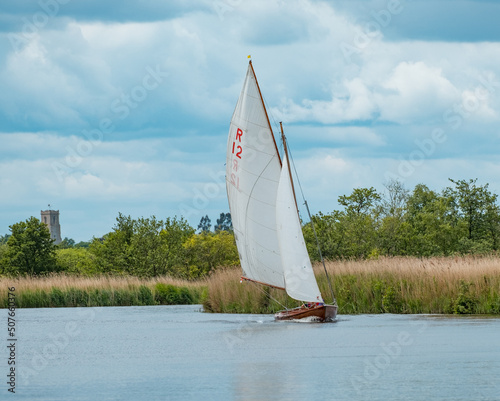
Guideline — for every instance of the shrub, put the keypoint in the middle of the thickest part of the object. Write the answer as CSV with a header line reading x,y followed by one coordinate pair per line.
x,y
166,294
57,297
145,296
464,303
185,297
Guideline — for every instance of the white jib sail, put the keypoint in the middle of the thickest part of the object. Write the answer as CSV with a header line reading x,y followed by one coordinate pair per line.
x,y
300,282
252,176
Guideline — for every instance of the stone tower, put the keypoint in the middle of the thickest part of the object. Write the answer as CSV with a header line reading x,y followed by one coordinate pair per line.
x,y
51,218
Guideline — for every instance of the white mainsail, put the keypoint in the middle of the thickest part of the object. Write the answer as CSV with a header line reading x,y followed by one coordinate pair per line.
x,y
300,282
253,170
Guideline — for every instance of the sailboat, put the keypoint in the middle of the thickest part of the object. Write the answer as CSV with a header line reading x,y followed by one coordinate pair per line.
x,y
264,211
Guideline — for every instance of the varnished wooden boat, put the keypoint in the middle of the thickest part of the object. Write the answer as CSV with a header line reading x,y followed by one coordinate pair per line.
x,y
320,313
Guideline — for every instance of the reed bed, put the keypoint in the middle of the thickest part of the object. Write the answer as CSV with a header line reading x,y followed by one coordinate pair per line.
x,y
60,290
461,285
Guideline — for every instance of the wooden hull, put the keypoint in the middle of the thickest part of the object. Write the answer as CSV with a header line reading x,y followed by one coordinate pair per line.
x,y
320,313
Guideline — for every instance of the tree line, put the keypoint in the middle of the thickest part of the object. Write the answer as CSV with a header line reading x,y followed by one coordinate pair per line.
x,y
144,247
463,218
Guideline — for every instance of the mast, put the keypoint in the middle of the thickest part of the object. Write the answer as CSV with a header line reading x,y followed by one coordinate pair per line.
x,y
265,111
285,149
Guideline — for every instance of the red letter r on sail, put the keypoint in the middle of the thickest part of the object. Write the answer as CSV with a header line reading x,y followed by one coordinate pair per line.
x,y
239,133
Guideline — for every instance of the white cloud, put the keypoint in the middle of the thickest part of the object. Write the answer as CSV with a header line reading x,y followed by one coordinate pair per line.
x,y
414,92
357,104
410,92
169,148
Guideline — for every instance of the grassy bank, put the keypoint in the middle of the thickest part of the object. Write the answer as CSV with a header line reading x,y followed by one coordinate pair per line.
x,y
69,291
459,285
469,285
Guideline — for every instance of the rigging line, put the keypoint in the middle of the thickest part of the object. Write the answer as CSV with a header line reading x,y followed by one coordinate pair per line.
x,y
270,114
295,170
259,286
334,301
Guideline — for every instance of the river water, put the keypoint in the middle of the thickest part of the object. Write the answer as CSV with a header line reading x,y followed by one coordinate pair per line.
x,y
181,353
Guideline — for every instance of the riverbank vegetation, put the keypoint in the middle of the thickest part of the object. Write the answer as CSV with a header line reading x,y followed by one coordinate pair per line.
x,y
458,285
390,241
62,290
451,285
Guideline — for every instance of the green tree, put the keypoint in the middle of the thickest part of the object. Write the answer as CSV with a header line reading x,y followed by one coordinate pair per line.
x,y
350,233
328,236
394,201
156,247
205,224
175,233
207,251
3,249
472,203
145,247
4,239
435,228
358,235
76,260
462,219
82,244
30,250
393,229
147,258
66,243
3,246
112,251
224,223
493,225
361,201
357,223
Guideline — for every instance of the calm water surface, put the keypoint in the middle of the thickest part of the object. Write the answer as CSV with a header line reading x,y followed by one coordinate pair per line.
x,y
180,353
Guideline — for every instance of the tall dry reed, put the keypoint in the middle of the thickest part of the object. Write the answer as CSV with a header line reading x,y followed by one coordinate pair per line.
x,y
70,290
395,285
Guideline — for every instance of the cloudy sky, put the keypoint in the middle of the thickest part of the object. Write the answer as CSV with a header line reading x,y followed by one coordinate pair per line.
x,y
124,106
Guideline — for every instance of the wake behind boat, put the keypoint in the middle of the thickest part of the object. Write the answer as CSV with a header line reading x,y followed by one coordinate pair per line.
x,y
263,208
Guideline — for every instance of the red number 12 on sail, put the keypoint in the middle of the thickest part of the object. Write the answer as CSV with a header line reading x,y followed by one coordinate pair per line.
x,y
239,150
239,134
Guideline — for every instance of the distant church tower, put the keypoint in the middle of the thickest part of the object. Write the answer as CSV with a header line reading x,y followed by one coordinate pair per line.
x,y
51,218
